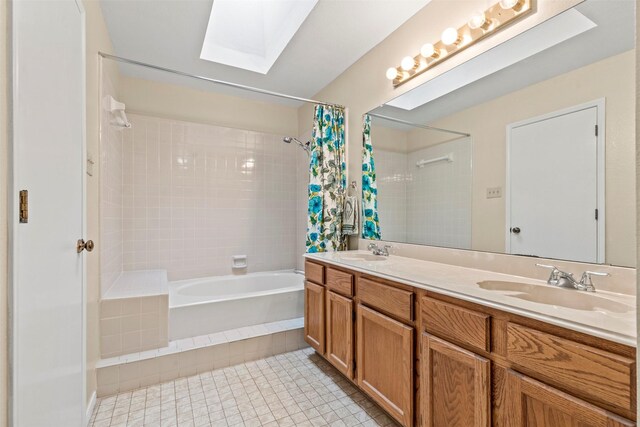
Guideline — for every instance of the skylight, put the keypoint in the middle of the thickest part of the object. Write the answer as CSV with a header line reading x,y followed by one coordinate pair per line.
x,y
251,34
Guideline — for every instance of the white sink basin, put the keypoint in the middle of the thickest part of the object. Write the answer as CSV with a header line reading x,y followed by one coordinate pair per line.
x,y
558,297
363,257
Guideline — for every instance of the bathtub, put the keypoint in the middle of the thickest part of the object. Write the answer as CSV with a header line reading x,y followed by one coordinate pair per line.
x,y
214,304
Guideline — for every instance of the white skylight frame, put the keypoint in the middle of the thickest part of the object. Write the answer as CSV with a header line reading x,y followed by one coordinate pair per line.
x,y
252,34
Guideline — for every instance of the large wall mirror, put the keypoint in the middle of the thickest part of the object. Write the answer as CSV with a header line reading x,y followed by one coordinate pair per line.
x,y
527,149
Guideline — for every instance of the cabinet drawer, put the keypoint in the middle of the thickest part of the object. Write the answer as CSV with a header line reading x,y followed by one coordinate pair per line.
x,y
340,282
314,272
580,369
394,301
456,323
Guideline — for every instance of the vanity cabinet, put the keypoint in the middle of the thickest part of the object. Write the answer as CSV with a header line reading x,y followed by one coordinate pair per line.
x,y
455,385
328,321
534,404
432,360
339,340
314,312
385,362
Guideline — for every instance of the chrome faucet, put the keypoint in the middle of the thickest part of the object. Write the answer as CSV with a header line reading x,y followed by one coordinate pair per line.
x,y
373,247
563,279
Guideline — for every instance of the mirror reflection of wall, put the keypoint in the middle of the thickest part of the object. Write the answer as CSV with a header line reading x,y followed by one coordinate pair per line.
x,y
569,73
424,190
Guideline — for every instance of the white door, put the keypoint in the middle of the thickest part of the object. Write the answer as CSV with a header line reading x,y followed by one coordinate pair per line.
x,y
47,272
553,187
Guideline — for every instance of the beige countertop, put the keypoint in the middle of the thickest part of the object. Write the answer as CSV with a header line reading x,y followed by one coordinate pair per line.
x,y
612,315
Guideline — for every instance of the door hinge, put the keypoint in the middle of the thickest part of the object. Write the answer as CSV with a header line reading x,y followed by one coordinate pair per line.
x,y
596,214
596,130
24,206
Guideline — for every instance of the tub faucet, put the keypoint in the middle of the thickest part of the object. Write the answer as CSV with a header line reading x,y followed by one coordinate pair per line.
x,y
379,251
563,279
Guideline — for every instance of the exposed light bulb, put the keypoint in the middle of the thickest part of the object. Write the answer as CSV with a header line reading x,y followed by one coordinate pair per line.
x,y
511,4
428,51
392,73
408,63
478,20
450,36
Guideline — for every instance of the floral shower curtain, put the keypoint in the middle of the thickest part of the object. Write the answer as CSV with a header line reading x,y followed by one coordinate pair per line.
x,y
327,175
370,222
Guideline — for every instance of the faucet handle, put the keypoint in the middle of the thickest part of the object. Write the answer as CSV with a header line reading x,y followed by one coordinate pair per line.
x,y
595,273
586,283
372,246
551,267
554,277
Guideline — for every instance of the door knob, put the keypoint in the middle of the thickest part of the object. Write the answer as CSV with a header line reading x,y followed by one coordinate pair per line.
x,y
515,230
82,245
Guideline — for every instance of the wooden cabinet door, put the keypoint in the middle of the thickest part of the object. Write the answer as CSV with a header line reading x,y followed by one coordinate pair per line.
x,y
314,316
455,385
340,333
385,362
534,404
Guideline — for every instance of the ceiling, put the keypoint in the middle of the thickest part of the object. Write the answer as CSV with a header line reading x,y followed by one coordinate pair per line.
x,y
614,33
170,34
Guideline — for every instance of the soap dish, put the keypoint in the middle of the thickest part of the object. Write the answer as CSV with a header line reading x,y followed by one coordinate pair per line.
x,y
239,261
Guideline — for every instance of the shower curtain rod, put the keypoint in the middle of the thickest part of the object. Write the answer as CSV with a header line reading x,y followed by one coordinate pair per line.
x,y
220,82
391,119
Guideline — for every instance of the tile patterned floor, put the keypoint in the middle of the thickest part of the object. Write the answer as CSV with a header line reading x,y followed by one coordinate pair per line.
x,y
292,389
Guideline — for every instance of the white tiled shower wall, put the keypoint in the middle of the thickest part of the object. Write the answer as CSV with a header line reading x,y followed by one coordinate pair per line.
x,y
437,207
110,192
194,195
186,197
392,177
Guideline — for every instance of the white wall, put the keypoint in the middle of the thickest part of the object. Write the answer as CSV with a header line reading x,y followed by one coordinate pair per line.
x,y
183,103
4,106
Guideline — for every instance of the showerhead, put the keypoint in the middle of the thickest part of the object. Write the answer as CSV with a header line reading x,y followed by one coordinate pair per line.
x,y
304,145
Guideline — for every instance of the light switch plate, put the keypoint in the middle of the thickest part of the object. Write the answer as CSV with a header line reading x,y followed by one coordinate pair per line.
x,y
494,192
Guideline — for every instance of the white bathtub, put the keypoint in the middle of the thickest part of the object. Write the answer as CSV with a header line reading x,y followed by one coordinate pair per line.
x,y
214,304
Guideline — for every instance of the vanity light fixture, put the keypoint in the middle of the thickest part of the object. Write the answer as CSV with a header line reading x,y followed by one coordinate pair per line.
x,y
408,63
450,36
479,20
428,51
452,40
512,4
393,73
